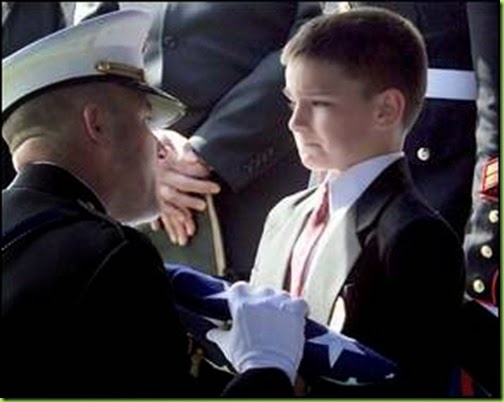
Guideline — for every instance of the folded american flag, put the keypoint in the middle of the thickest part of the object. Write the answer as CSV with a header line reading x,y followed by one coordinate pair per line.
x,y
202,302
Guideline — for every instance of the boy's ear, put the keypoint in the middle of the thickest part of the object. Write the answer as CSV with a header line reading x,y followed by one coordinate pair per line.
x,y
390,108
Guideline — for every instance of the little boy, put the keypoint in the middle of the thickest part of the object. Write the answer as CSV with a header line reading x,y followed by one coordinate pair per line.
x,y
385,268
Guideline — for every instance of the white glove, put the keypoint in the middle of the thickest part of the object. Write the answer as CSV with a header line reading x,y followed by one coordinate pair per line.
x,y
267,329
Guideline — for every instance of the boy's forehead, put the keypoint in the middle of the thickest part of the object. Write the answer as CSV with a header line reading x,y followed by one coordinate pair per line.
x,y
313,66
315,75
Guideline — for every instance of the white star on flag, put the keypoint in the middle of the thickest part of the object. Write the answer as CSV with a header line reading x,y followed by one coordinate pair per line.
x,y
335,345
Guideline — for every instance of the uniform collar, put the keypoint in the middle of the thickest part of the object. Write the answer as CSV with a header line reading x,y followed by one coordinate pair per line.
x,y
52,179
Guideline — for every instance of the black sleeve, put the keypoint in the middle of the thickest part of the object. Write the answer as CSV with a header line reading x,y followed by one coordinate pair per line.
x,y
133,327
260,383
237,138
425,274
143,348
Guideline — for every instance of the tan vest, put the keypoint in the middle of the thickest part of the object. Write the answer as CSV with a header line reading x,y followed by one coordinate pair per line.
x,y
338,253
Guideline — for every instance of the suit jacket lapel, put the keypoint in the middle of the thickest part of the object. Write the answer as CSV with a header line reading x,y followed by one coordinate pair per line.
x,y
369,205
274,253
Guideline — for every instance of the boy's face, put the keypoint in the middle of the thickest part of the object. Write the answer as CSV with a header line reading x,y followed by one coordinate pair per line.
x,y
332,122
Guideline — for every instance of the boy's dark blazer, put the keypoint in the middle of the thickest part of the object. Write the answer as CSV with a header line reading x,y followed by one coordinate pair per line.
x,y
402,281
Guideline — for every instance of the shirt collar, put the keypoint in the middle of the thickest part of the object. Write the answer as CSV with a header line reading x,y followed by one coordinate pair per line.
x,y
347,186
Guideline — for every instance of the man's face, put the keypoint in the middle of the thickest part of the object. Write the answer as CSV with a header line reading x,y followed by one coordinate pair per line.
x,y
134,156
331,118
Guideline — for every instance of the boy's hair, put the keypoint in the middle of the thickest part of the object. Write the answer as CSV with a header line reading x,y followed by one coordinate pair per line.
x,y
373,45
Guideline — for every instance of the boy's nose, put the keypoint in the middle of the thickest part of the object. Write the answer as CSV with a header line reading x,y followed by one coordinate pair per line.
x,y
298,119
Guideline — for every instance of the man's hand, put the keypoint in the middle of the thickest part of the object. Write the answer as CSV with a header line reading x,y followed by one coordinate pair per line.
x,y
267,329
181,180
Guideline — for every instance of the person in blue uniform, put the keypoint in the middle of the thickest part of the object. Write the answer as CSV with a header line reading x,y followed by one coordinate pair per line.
x,y
481,332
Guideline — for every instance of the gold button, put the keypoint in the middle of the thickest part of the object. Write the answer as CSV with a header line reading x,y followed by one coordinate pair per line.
x,y
486,251
493,216
478,286
423,154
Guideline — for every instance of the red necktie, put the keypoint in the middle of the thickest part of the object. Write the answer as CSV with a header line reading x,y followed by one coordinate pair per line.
x,y
305,244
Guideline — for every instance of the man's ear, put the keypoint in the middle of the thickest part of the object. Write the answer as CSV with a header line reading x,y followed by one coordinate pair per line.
x,y
390,108
93,122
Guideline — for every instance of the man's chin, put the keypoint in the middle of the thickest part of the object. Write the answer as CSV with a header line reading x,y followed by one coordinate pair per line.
x,y
141,219
135,218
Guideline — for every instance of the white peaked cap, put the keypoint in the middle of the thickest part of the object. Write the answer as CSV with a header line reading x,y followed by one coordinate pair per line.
x,y
101,48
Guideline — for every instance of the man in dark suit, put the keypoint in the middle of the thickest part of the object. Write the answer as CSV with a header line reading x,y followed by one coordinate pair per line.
x,y
387,269
86,307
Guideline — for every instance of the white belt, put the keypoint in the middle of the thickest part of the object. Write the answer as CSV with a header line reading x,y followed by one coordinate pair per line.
x,y
451,84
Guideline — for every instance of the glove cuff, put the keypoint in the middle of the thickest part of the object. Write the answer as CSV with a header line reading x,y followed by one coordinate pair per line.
x,y
270,360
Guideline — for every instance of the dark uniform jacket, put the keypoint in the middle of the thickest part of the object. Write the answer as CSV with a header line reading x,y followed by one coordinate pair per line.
x,y
481,344
404,285
86,308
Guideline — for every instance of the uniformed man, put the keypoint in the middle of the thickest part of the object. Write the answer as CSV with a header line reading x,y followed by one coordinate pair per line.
x,y
481,335
86,307
482,238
